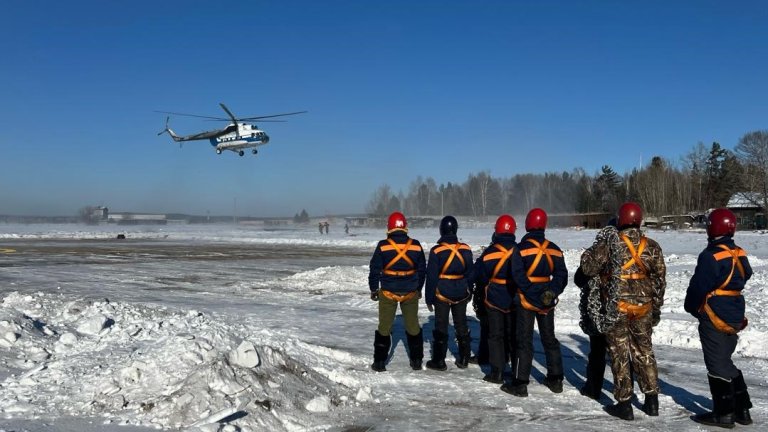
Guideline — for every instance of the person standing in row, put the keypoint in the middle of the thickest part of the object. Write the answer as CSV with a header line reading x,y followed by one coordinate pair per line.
x,y
590,304
634,308
481,312
499,264
535,300
714,298
449,271
397,273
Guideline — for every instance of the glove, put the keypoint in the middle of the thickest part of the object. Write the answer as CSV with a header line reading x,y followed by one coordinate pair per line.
x,y
375,295
656,317
547,297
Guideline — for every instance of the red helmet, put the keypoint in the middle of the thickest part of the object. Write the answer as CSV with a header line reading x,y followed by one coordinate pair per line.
x,y
505,224
397,221
536,220
721,222
630,214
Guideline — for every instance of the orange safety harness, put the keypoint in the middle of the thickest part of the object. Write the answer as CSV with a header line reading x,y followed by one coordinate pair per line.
x,y
541,251
454,248
635,260
402,250
502,255
734,254
631,310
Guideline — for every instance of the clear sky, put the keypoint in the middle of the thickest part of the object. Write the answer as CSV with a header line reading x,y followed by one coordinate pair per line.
x,y
394,89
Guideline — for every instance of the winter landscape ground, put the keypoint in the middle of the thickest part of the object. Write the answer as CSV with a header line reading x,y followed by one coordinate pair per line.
x,y
238,328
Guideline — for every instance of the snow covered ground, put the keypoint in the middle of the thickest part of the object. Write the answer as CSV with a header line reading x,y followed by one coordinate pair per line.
x,y
227,328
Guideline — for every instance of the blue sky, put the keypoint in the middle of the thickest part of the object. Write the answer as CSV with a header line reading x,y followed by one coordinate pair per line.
x,y
394,89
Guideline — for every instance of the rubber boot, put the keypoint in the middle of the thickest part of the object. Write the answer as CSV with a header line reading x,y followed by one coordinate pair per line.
x,y
622,410
464,351
651,405
554,383
439,349
415,350
741,401
495,377
516,388
722,404
381,345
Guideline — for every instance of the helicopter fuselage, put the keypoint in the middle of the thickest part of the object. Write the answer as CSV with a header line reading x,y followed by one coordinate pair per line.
x,y
246,136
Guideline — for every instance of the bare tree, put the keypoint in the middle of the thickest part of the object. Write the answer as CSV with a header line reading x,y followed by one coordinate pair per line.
x,y
752,150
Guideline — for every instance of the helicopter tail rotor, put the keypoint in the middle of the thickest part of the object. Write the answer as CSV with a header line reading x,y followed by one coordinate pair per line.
x,y
169,131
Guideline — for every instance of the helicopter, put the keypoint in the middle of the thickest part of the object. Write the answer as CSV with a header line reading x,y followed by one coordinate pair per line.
x,y
237,136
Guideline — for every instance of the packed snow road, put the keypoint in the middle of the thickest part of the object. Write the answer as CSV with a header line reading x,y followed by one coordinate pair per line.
x,y
241,328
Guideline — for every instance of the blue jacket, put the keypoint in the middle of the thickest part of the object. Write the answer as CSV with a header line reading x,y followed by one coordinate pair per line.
x,y
402,277
456,286
710,273
559,274
512,273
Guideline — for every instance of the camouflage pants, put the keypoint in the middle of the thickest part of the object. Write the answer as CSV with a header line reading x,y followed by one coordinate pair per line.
x,y
629,343
388,310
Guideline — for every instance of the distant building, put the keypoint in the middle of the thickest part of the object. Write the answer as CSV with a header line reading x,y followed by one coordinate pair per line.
x,y
137,219
748,209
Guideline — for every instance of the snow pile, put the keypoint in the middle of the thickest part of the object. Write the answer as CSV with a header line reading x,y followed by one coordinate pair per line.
x,y
151,366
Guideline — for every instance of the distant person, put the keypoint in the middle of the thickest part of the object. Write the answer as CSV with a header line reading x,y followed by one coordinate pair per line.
x,y
633,307
320,227
327,225
547,277
397,274
449,271
346,228
500,264
714,297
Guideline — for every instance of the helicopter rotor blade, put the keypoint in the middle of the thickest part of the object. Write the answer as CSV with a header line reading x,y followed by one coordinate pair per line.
x,y
231,116
260,121
193,115
273,115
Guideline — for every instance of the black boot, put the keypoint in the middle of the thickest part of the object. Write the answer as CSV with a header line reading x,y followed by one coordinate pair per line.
x,y
722,404
415,350
464,351
494,377
439,348
516,388
554,383
589,391
622,410
651,405
741,401
381,346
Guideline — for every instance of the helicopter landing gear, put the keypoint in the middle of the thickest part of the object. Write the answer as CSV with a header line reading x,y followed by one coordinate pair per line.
x,y
241,153
254,151
218,151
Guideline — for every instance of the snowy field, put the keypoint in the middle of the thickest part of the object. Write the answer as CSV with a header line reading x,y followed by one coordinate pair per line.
x,y
240,328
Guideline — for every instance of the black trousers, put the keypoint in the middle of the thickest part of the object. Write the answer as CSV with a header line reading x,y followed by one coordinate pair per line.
x,y
501,338
459,313
524,344
718,348
596,364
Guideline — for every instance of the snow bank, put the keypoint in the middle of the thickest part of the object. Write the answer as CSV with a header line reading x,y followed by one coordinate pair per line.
x,y
152,366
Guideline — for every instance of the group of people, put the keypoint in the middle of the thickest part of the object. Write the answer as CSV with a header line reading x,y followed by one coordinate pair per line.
x,y
323,226
514,284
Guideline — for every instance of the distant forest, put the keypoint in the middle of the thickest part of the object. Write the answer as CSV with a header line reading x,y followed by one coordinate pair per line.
x,y
704,178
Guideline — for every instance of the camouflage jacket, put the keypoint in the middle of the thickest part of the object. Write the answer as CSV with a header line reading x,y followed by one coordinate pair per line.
x,y
651,282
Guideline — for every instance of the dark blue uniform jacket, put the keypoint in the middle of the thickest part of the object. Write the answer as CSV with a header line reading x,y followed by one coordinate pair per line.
x,y
497,295
393,283
453,289
534,290
709,275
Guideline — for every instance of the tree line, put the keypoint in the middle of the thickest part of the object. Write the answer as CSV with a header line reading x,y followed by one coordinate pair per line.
x,y
706,177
